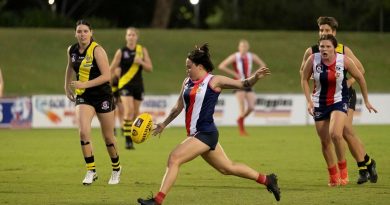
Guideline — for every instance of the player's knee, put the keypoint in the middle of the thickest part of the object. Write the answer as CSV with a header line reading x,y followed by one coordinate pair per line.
x,y
336,136
84,135
325,144
174,160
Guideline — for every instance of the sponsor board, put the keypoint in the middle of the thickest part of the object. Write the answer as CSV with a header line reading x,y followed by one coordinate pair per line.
x,y
15,112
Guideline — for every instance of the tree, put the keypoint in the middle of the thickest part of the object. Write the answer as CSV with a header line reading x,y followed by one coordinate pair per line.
x,y
162,13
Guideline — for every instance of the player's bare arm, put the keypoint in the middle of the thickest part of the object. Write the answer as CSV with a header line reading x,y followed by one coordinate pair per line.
x,y
115,63
224,65
359,65
306,73
69,73
306,55
222,82
175,111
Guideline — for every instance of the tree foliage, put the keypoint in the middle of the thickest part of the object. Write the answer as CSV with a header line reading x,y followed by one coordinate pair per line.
x,y
355,15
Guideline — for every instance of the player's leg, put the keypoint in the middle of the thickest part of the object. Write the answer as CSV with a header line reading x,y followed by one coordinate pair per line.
x,y
84,115
106,124
240,95
137,105
219,160
356,148
327,148
336,126
366,165
250,98
128,115
189,149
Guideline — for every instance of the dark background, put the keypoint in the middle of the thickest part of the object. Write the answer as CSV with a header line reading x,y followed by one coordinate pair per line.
x,y
354,15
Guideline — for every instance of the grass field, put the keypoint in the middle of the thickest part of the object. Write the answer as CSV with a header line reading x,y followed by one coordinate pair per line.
x,y
45,166
33,60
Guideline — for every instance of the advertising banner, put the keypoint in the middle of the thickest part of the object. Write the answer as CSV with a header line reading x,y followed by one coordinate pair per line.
x,y
15,112
54,111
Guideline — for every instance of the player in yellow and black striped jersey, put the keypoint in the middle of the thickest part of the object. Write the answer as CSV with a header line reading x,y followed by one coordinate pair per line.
x,y
88,61
131,60
366,165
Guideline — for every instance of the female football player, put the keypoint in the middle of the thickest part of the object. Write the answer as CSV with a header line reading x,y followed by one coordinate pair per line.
x,y
93,95
329,102
198,97
131,60
242,62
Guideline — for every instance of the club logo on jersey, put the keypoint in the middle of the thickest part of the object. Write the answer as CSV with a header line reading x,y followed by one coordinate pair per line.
x,y
73,58
345,107
126,54
105,105
319,68
88,59
80,100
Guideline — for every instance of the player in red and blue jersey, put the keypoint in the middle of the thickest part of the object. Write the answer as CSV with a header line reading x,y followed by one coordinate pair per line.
x,y
242,63
366,165
329,101
198,97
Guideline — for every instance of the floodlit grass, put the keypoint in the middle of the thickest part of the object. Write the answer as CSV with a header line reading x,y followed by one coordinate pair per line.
x,y
33,60
45,166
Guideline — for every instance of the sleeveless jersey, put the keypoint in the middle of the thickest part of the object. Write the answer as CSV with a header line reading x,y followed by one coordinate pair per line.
x,y
85,66
243,65
131,73
330,85
199,103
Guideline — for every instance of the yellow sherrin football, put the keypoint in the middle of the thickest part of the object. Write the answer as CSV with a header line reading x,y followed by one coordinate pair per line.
x,y
141,128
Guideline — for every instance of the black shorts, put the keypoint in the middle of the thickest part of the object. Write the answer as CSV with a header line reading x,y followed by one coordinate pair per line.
x,y
136,91
209,138
117,97
351,98
101,104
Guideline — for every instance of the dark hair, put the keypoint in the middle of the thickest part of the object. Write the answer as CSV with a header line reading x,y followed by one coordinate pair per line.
x,y
201,56
83,22
331,21
329,37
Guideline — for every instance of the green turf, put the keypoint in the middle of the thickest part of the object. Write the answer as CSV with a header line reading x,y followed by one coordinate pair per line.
x,y
33,60
45,166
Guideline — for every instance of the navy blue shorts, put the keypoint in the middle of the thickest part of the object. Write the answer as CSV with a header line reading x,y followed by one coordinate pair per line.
x,y
323,113
209,138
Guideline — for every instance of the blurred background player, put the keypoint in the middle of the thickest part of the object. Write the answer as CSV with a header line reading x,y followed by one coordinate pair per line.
x,y
88,60
242,63
118,112
328,103
131,60
366,165
198,97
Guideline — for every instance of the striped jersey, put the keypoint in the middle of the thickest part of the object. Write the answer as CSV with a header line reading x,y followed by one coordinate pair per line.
x,y
199,104
330,83
86,68
131,73
243,65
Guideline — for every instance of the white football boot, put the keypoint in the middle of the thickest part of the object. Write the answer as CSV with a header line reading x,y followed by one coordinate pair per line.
x,y
115,176
90,177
